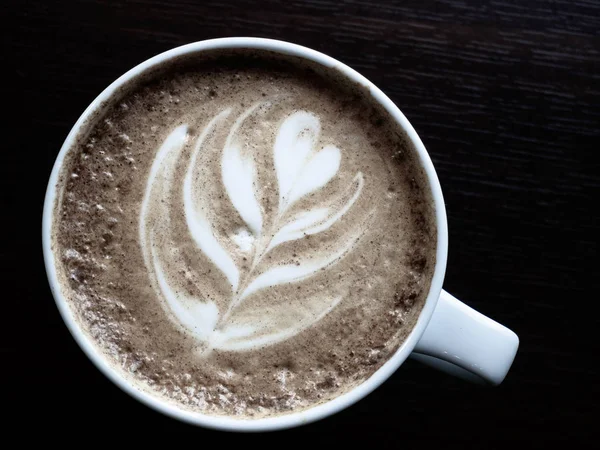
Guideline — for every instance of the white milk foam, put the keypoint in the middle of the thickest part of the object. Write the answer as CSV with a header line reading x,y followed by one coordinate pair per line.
x,y
301,169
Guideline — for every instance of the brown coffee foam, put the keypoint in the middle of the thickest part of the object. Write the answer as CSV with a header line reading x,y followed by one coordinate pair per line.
x,y
103,275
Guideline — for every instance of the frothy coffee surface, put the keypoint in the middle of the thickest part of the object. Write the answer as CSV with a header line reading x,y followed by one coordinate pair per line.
x,y
244,234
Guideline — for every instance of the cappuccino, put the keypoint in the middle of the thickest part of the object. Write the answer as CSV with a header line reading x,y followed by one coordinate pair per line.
x,y
244,233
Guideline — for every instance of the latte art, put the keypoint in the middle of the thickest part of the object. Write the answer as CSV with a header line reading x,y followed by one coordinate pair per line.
x,y
301,169
243,234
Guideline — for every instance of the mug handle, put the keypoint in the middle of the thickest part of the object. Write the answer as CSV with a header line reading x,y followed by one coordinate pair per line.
x,y
462,342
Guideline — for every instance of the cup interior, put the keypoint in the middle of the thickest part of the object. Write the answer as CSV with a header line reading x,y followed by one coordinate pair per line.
x,y
295,418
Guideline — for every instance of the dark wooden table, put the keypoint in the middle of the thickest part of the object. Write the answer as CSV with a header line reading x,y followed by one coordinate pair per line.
x,y
506,97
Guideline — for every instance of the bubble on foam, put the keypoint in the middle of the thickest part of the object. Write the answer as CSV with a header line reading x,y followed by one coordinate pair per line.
x,y
243,239
125,138
71,253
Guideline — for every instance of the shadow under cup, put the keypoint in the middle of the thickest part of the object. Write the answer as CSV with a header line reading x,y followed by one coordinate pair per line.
x,y
276,422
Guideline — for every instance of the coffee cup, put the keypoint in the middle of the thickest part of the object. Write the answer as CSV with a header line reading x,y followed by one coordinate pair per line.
x,y
447,335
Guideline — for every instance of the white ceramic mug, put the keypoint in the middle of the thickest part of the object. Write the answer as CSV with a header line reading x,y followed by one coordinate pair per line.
x,y
448,334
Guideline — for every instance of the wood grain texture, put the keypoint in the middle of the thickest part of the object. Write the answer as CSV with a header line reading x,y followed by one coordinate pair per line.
x,y
505,96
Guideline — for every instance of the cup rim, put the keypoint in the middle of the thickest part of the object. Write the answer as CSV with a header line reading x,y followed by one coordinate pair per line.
x,y
286,420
